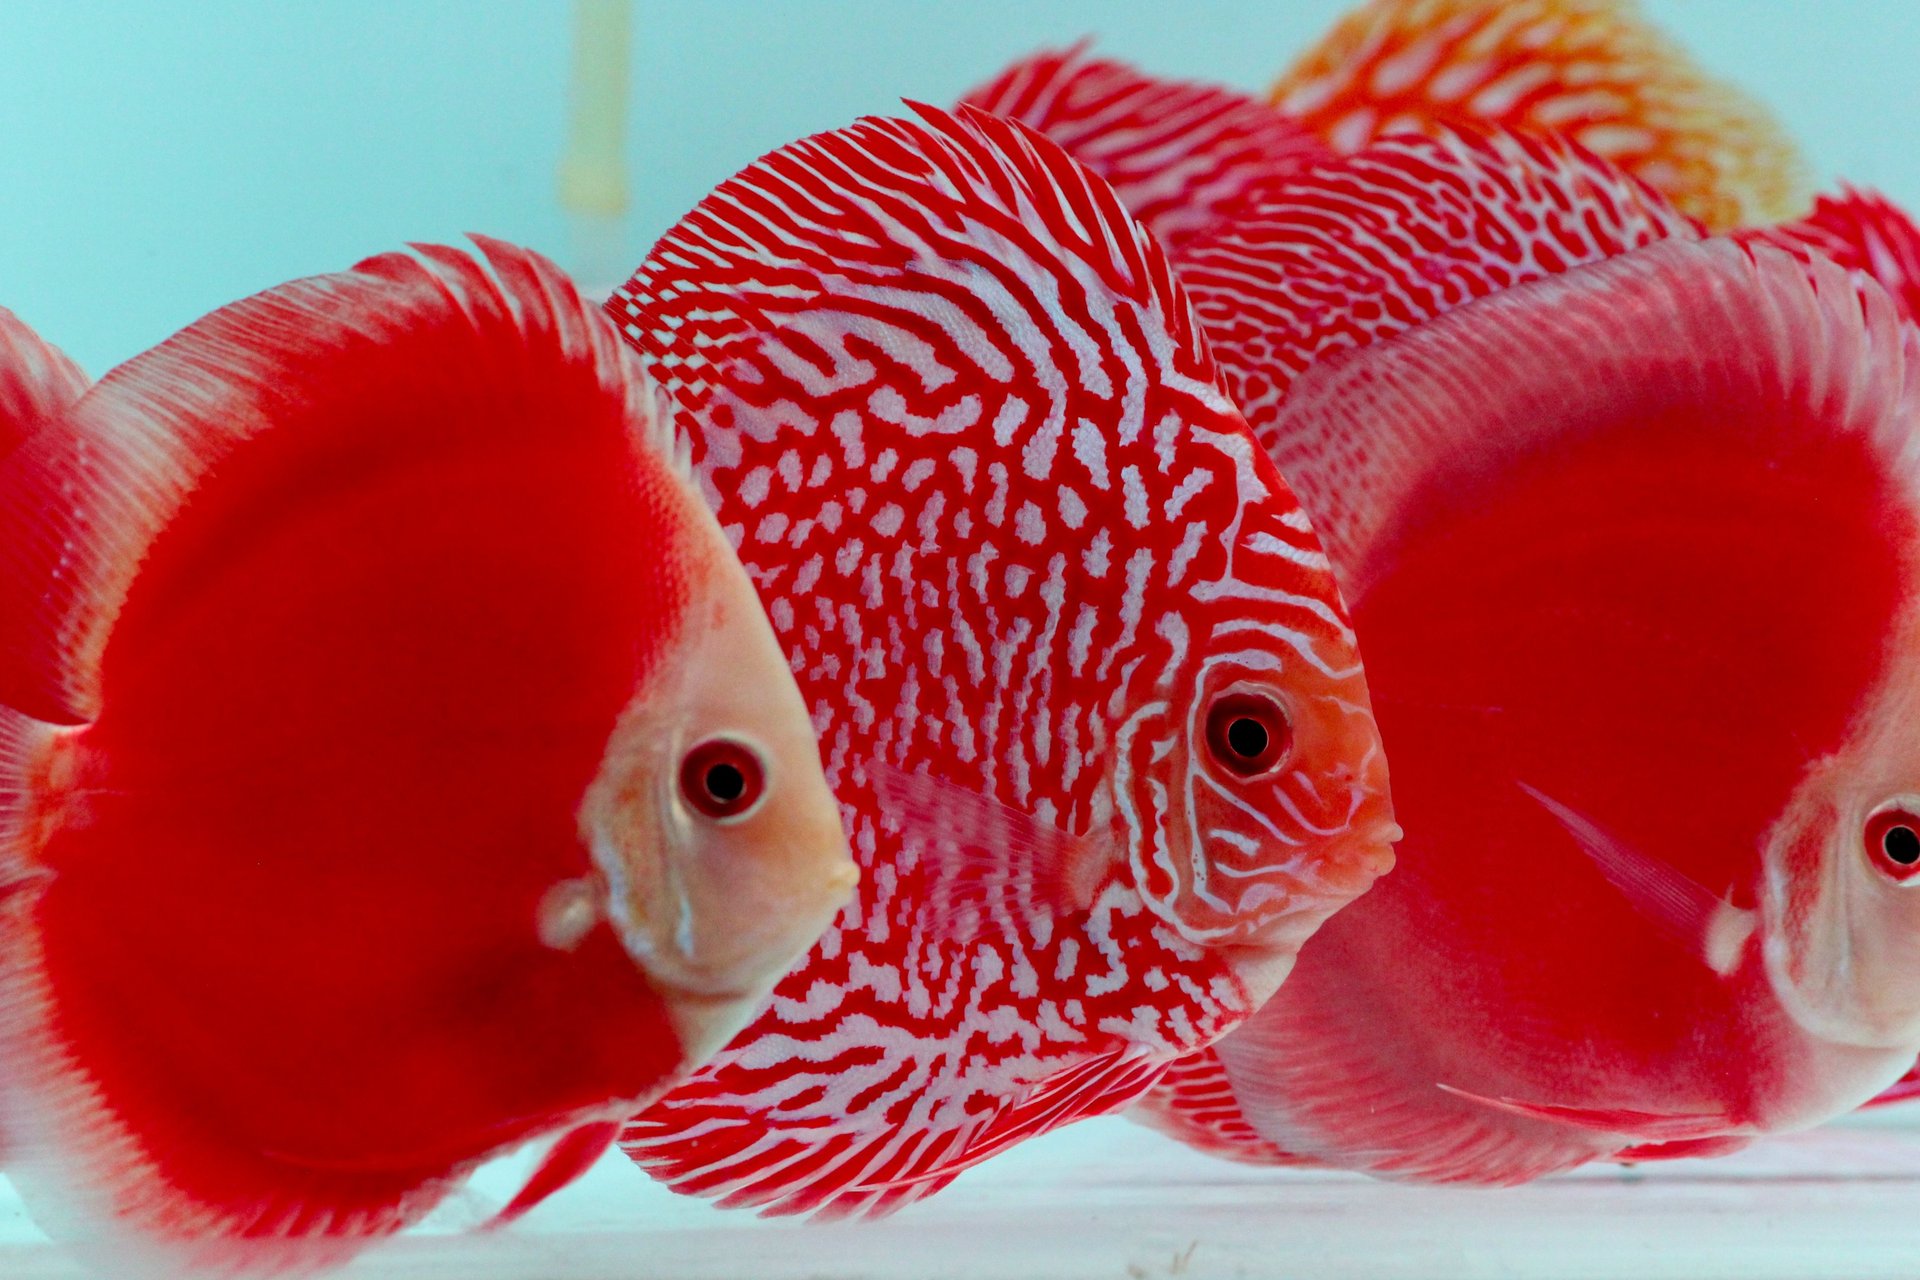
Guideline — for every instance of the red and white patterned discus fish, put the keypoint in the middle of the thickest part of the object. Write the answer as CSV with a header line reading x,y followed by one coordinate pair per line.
x,y
1082,677
1630,521
1179,154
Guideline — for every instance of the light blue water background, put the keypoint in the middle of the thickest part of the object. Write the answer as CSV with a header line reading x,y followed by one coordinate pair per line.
x,y
161,157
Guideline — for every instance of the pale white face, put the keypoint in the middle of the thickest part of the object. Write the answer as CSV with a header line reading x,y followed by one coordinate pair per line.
x,y
1841,898
720,846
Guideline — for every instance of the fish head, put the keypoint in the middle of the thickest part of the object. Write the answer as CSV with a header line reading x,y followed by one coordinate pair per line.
x,y
1840,893
1252,781
719,847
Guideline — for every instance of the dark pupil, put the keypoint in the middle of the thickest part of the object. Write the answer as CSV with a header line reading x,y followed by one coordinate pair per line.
x,y
1902,845
1247,737
726,783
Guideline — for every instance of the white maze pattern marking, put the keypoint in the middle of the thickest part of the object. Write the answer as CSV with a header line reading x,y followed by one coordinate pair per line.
x,y
947,392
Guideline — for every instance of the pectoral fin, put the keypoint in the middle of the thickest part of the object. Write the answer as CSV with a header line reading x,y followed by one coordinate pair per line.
x,y
1708,925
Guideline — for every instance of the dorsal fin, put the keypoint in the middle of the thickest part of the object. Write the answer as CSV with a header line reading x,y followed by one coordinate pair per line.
x,y
1179,153
1719,319
1593,70
841,214
1358,249
37,381
79,503
1863,231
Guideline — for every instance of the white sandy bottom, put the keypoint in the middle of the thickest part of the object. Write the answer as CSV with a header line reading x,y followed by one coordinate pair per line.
x,y
1107,1199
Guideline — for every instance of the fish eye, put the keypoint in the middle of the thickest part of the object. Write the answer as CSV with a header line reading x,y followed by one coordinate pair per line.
x,y
1892,841
1247,733
722,779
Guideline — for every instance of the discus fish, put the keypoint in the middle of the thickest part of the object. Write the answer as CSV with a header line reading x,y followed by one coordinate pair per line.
x,y
1594,71
1182,154
1630,521
399,767
1084,683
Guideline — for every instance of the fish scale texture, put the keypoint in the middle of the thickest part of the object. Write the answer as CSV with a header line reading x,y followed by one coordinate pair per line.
x,y
959,421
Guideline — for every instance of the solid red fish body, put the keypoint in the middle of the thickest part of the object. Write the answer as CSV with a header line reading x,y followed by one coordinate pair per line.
x,y
373,664
1628,520
1082,678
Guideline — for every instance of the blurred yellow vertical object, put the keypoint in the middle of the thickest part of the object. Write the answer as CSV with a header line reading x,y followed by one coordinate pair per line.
x,y
593,172
1594,70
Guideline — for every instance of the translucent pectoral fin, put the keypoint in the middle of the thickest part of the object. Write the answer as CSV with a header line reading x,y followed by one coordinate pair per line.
x,y
978,854
1708,925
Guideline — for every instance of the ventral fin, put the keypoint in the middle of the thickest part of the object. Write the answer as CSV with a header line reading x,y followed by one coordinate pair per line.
x,y
567,1162
1099,1086
698,1142
979,854
1181,154
1709,926
1593,70
1641,1126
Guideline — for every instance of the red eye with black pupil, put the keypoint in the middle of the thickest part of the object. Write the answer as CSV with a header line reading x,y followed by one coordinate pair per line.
x,y
721,779
1893,842
1247,733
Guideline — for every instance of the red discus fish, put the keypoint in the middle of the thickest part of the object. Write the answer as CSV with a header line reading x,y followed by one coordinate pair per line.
x,y
399,765
1592,70
1179,154
1183,154
1868,233
1631,525
1084,684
